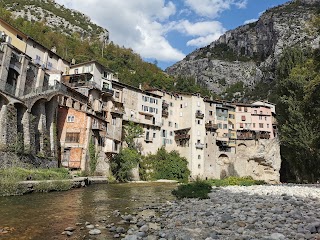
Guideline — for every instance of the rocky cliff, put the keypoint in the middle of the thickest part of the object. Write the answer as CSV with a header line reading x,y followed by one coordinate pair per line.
x,y
56,16
249,53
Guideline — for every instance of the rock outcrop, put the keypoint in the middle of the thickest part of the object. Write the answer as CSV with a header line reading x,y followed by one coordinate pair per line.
x,y
249,53
58,17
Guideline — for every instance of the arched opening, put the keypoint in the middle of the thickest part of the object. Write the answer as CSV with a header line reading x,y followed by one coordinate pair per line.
x,y
22,126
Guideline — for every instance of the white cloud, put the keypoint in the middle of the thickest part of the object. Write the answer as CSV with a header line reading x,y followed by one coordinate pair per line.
x,y
203,41
212,8
204,32
135,24
250,21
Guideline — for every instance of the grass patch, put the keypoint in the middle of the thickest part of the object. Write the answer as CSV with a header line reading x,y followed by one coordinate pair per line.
x,y
10,178
52,186
198,189
232,181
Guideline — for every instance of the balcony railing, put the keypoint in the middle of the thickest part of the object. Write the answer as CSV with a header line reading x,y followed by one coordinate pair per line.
x,y
118,110
165,105
199,145
108,91
199,115
211,126
148,139
97,126
182,137
165,113
57,87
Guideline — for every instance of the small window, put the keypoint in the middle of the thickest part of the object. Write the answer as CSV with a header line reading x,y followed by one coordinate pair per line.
x,y
199,156
241,125
239,109
19,37
254,125
255,111
245,109
72,137
260,125
243,118
268,126
76,71
210,113
154,135
70,119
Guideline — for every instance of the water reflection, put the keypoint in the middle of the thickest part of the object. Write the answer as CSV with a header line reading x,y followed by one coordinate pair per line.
x,y
44,216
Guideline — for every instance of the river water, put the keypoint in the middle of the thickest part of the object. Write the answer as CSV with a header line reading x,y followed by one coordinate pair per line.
x,y
45,216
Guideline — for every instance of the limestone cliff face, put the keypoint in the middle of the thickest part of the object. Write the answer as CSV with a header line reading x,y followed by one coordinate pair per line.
x,y
259,159
250,53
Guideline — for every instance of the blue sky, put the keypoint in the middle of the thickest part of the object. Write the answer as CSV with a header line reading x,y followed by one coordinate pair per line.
x,y
166,31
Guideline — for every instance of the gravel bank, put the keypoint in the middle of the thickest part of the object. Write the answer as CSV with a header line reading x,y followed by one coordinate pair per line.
x,y
255,212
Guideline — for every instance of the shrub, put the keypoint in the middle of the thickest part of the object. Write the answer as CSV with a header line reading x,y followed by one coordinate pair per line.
x,y
232,181
198,189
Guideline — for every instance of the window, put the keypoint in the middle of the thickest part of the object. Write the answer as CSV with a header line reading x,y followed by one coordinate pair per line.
x,y
254,125
76,71
210,113
199,156
268,126
245,109
243,118
260,112
154,135
72,137
176,125
38,59
171,104
199,166
170,124
260,125
171,133
181,105
225,126
241,125
219,125
260,117
255,111
117,94
114,121
49,66
240,109
70,119
265,118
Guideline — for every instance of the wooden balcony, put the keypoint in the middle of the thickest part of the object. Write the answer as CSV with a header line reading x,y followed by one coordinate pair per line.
x,y
117,110
211,126
165,105
179,137
199,115
108,92
165,113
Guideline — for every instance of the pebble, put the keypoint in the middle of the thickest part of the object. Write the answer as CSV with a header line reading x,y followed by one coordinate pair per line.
x,y
273,212
94,232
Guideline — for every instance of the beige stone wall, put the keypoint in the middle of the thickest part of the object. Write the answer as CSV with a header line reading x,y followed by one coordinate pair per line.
x,y
260,159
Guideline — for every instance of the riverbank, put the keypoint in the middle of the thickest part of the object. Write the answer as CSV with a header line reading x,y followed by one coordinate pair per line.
x,y
234,212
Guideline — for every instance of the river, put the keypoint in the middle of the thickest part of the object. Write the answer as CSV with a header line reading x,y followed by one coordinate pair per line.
x,y
45,216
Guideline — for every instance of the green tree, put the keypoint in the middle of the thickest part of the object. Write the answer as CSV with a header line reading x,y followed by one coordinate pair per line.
x,y
298,117
165,165
123,163
131,132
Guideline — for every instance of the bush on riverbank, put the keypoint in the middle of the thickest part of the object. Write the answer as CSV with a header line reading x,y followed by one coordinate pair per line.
x,y
10,178
231,181
198,189
164,165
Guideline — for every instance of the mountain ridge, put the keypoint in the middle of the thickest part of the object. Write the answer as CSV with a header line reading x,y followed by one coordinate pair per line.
x,y
249,54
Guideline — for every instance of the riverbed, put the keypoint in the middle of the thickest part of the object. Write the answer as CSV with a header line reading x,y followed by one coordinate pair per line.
x,y
46,215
